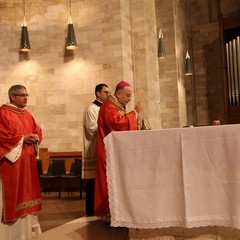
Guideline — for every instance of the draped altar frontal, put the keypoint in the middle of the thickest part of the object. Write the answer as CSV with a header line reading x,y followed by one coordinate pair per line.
x,y
181,182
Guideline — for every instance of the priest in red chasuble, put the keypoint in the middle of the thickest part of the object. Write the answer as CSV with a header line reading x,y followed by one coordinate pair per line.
x,y
19,136
112,117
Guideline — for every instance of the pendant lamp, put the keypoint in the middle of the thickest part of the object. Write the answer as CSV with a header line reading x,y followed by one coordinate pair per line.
x,y
161,46
25,43
188,65
71,42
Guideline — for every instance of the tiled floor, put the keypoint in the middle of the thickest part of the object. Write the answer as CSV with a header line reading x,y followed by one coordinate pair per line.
x,y
85,228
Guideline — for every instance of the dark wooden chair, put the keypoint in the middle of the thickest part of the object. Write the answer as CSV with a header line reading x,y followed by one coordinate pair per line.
x,y
75,173
43,183
55,171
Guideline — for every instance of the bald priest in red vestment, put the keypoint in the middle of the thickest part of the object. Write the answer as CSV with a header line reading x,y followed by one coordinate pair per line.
x,y
112,117
19,179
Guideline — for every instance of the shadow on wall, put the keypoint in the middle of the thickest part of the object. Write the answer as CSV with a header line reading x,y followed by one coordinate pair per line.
x,y
23,56
68,55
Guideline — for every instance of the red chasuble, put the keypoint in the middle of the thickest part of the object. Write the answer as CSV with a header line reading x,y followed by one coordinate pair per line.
x,y
112,117
21,188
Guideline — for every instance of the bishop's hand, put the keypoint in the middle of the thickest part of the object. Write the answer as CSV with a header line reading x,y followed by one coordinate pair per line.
x,y
139,107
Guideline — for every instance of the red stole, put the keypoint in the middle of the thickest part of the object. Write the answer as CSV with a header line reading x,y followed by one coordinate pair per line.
x,y
109,119
21,188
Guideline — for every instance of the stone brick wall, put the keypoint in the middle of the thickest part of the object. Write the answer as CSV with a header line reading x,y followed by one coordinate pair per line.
x,y
144,47
206,53
193,25
167,67
60,83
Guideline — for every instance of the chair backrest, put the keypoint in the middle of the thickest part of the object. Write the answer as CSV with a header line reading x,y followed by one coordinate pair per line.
x,y
39,167
56,167
76,167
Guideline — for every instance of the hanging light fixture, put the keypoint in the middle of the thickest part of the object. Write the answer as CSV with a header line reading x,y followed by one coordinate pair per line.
x,y
71,42
25,43
188,65
161,46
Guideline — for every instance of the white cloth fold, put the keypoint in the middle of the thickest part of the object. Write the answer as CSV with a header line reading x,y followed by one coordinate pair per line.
x,y
15,153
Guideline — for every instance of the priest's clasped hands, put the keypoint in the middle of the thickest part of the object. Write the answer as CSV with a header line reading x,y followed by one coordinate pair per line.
x,y
31,138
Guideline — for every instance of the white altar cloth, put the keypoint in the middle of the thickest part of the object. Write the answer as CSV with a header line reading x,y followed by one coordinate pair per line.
x,y
183,178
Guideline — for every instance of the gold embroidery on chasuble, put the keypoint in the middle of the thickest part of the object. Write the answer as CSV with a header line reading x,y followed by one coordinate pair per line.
x,y
28,204
117,103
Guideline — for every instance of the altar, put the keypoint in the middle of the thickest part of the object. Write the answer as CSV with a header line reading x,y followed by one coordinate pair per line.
x,y
173,183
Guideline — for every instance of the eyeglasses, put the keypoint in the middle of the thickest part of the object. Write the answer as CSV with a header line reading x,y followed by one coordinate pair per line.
x,y
107,92
21,95
129,96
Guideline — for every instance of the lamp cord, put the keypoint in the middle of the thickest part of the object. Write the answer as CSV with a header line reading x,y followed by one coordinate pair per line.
x,y
24,9
70,7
